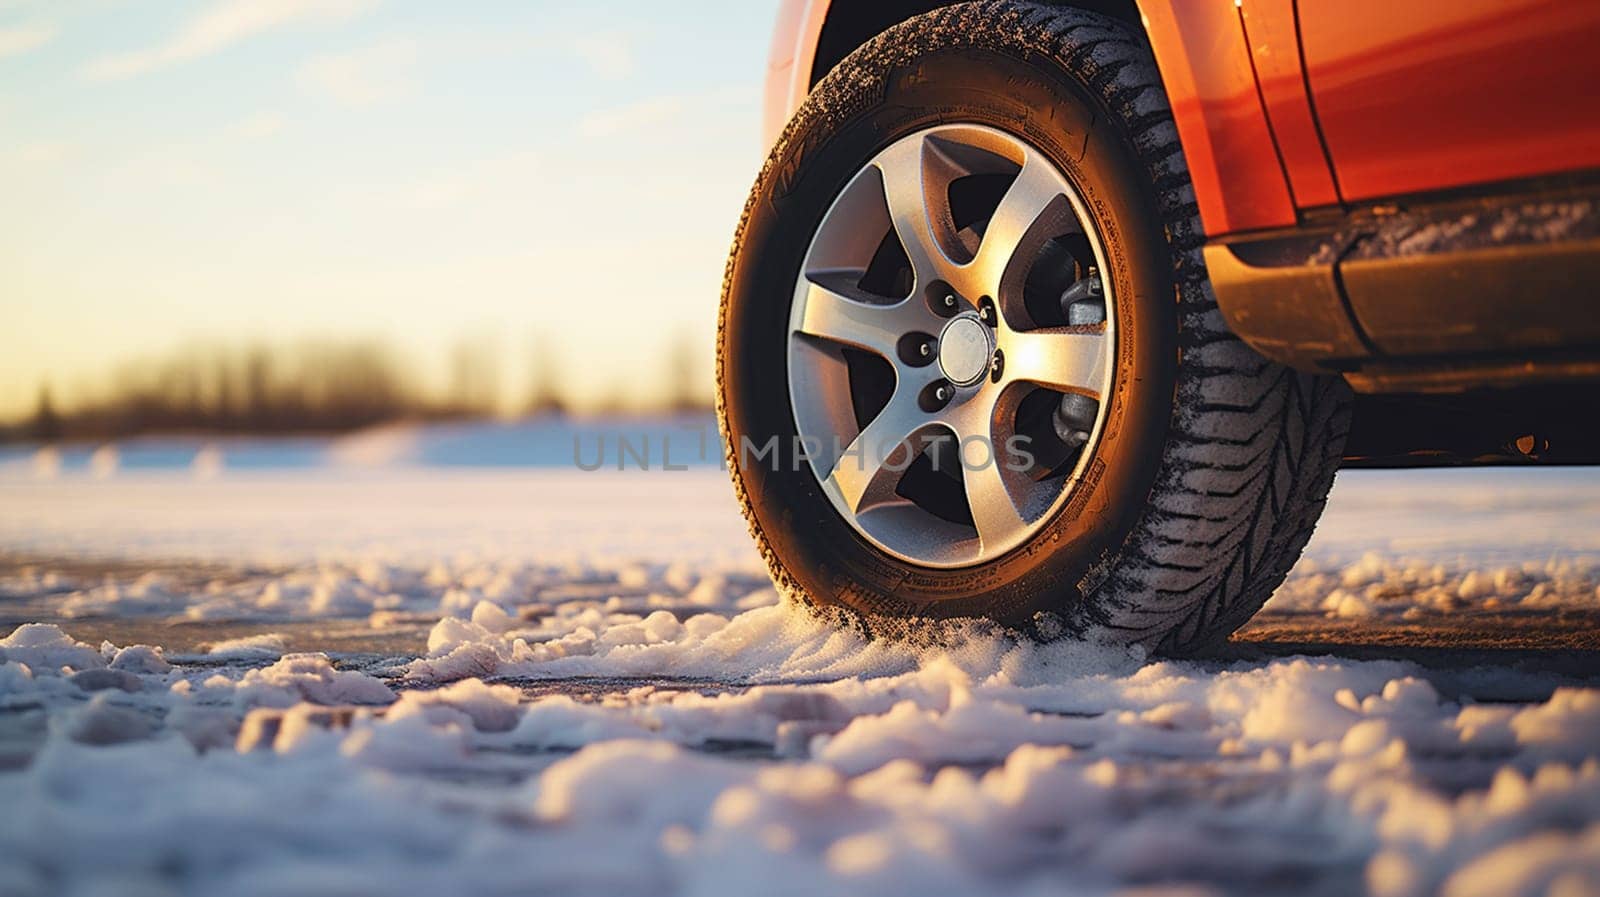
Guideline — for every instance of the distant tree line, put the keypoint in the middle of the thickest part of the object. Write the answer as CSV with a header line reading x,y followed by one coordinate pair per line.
x,y
312,387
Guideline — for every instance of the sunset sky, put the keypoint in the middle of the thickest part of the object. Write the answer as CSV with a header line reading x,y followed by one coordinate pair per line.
x,y
223,171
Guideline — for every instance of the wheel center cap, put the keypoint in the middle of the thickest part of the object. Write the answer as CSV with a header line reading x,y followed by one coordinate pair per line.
x,y
964,350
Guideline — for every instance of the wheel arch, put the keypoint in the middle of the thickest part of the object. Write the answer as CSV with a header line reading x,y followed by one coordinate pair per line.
x,y
1201,53
850,24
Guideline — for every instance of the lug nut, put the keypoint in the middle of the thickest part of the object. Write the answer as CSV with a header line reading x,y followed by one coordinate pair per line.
x,y
942,299
997,366
935,396
986,311
917,349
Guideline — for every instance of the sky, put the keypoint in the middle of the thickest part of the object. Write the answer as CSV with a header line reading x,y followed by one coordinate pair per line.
x,y
420,172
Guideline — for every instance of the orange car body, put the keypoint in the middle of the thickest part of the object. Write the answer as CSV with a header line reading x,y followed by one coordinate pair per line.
x,y
1285,106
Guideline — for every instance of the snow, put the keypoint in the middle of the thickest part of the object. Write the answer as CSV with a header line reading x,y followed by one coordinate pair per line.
x,y
933,783
265,646
45,646
139,659
563,682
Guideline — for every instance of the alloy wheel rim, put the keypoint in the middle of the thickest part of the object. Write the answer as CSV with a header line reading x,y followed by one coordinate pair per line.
x,y
948,314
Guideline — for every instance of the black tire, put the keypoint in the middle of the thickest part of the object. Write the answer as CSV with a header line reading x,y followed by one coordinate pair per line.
x,y
1214,464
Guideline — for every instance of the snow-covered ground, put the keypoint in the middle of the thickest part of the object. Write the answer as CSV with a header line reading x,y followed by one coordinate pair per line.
x,y
415,679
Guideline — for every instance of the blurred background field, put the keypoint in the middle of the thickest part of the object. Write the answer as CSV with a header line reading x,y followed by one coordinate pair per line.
x,y
331,387
235,218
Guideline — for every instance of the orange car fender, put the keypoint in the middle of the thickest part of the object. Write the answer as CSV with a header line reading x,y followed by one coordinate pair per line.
x,y
789,63
1205,65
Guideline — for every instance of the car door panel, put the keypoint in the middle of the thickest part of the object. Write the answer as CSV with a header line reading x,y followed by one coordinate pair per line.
x,y
1421,96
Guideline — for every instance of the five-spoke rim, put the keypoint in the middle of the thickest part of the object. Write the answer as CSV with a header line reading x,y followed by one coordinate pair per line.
x,y
950,348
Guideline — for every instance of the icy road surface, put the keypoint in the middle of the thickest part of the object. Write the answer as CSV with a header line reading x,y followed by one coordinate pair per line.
x,y
498,682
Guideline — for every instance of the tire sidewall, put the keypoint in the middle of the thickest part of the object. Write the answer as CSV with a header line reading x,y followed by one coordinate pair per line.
x,y
845,123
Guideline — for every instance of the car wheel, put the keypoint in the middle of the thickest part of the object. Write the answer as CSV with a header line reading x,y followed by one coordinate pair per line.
x,y
969,364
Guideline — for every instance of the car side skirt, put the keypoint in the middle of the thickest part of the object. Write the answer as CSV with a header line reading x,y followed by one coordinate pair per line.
x,y
1466,295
